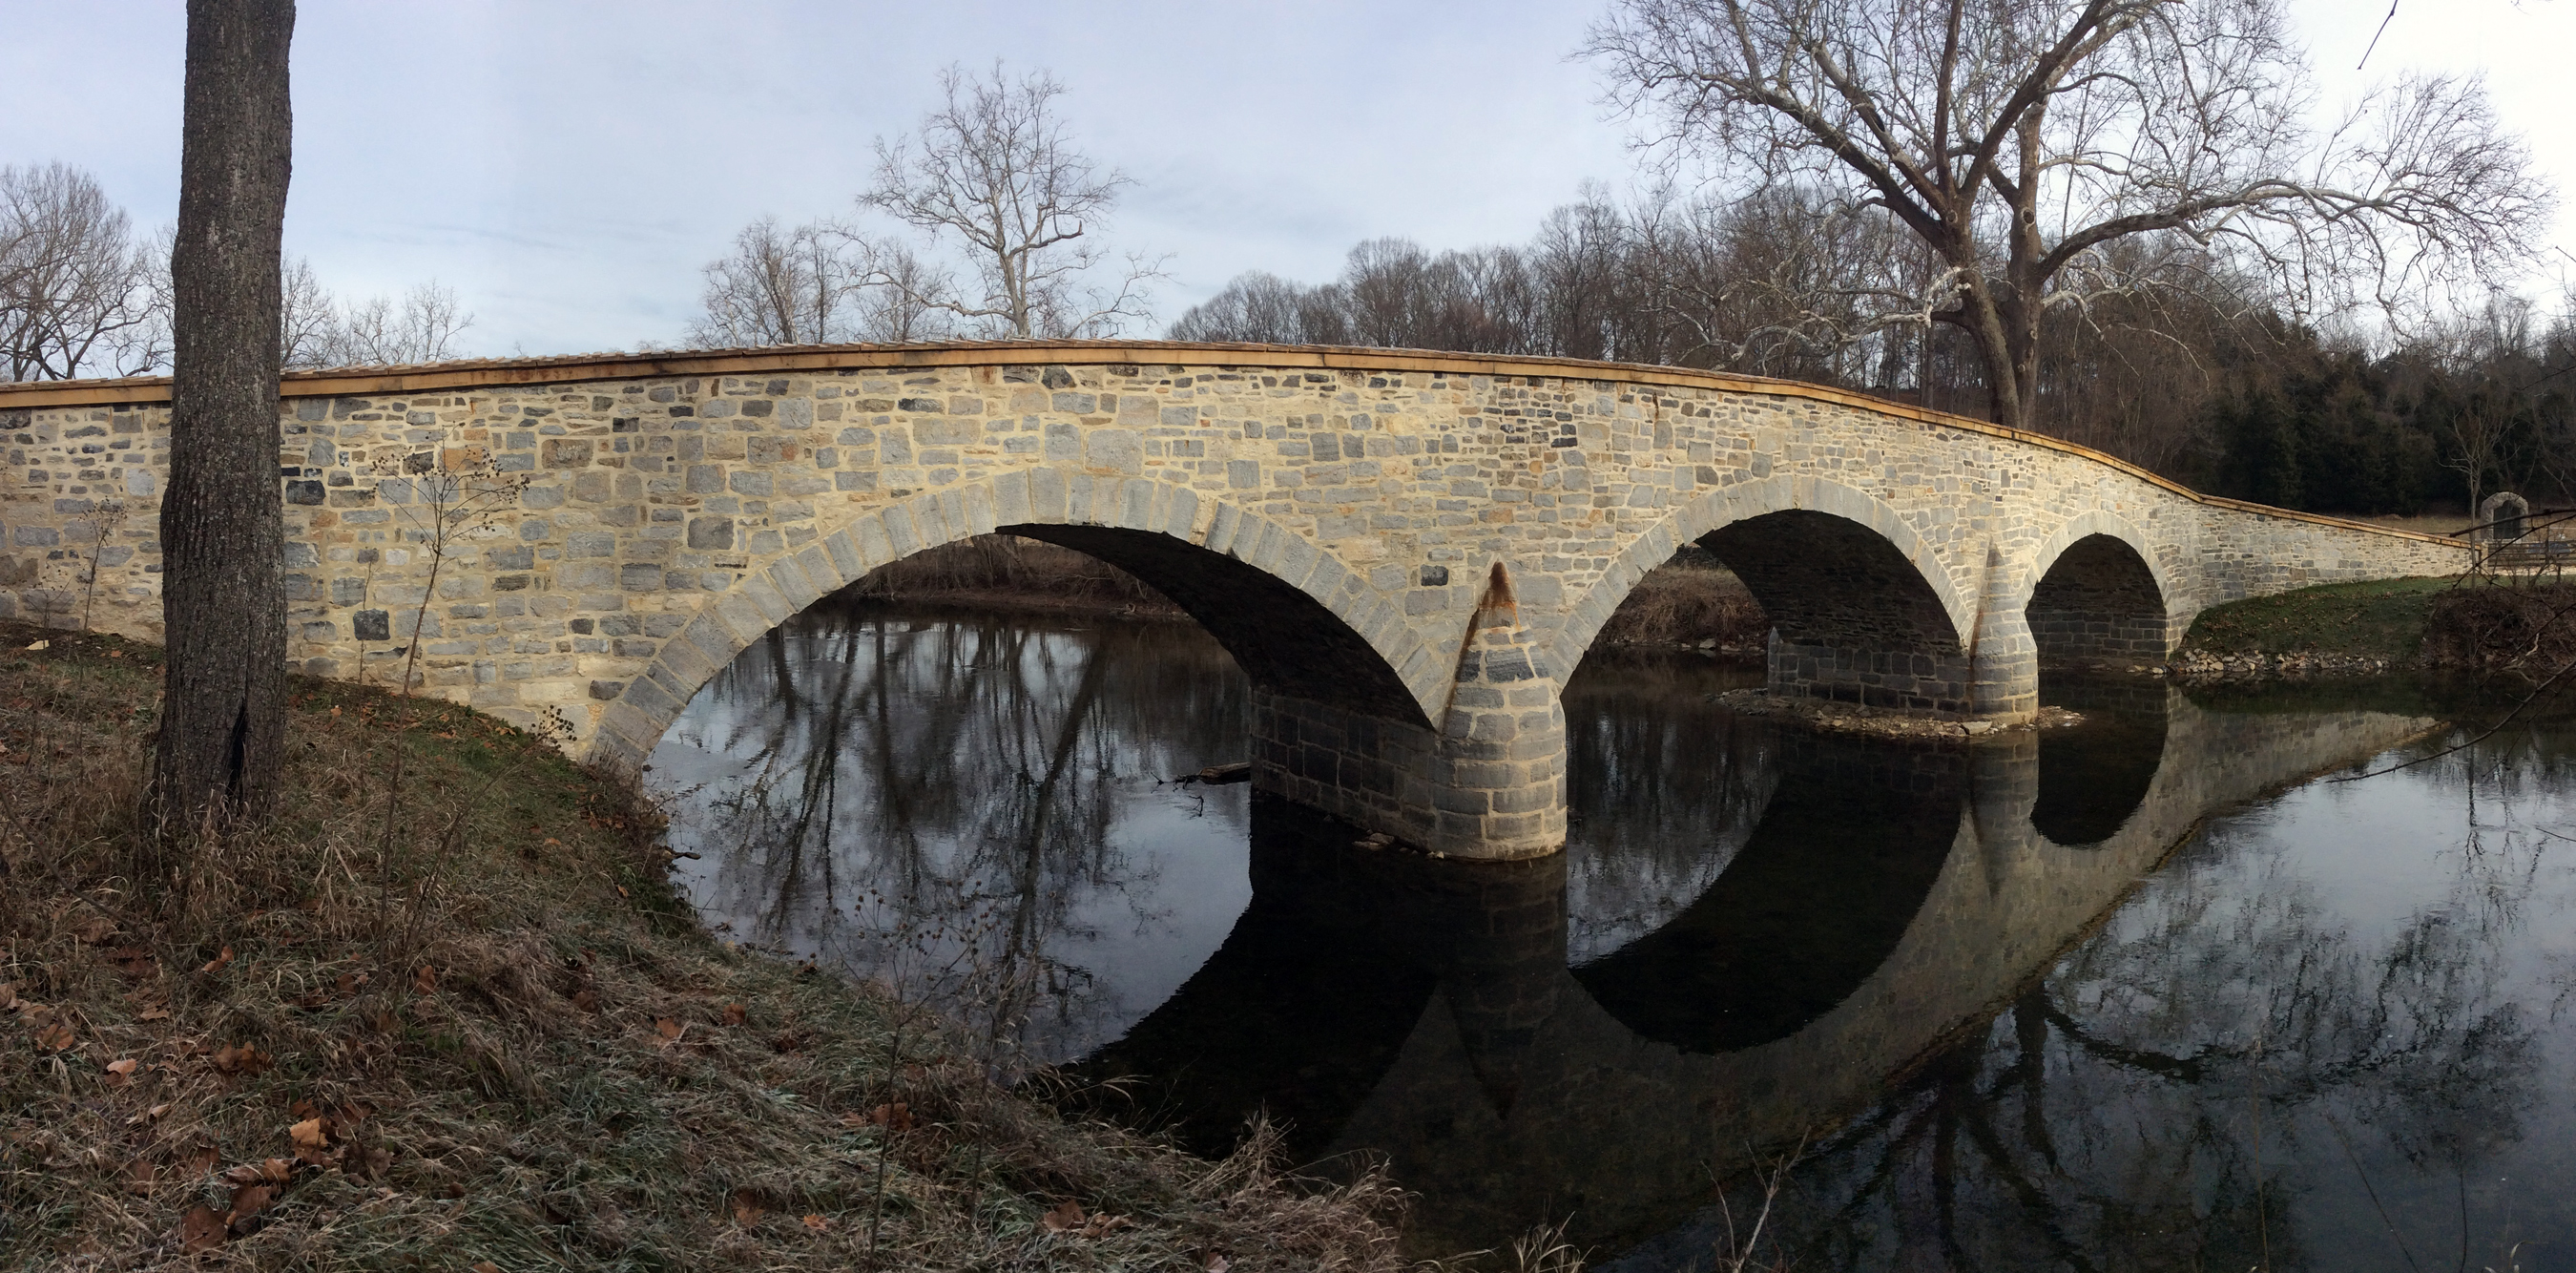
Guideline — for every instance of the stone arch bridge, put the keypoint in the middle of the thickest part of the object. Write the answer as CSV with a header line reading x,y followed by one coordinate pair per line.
x,y
1407,552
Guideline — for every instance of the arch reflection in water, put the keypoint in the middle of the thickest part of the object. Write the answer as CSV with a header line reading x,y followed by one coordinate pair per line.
x,y
1425,1012
1590,1034
972,808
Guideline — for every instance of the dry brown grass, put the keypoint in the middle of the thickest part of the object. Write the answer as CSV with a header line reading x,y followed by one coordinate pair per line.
x,y
2502,625
1688,603
494,1035
1008,573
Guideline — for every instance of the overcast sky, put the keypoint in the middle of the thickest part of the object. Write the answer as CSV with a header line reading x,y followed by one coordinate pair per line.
x,y
568,167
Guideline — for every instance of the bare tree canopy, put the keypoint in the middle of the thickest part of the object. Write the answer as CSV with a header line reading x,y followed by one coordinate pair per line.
x,y
222,738
816,284
317,330
992,168
80,292
2021,141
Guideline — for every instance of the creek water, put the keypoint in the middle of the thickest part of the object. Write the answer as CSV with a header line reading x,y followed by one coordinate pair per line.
x,y
2170,988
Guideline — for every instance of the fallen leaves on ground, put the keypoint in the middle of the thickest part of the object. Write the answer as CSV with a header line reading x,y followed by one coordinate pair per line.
x,y
201,1229
242,1058
217,963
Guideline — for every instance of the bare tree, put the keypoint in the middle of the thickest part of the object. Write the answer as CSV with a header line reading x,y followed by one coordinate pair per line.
x,y
317,330
781,286
2020,139
79,293
222,736
993,168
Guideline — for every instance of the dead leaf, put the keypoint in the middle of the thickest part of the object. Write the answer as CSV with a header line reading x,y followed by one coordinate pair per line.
x,y
484,1266
250,1200
58,1037
669,1029
348,983
733,1014
312,1133
586,999
134,963
897,1117
94,928
1216,1263
139,1174
201,1229
746,1207
242,1059
217,963
426,980
200,1160
120,1072
8,996
817,1223
40,645
148,1115
1062,1217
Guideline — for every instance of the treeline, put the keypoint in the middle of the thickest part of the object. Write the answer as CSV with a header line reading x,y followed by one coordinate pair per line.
x,y
84,292
2198,378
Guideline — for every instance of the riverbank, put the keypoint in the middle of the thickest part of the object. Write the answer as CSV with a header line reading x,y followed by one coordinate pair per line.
x,y
2475,624
447,1013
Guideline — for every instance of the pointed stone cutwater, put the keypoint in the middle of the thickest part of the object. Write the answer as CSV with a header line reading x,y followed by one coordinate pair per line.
x,y
1498,772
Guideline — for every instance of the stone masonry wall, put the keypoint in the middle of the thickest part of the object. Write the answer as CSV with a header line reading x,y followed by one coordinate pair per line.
x,y
596,537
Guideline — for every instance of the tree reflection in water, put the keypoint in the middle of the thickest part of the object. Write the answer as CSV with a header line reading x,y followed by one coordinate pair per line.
x,y
969,808
2316,1039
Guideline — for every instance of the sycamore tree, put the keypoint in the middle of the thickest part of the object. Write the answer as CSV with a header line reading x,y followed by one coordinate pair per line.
x,y
2056,154
222,738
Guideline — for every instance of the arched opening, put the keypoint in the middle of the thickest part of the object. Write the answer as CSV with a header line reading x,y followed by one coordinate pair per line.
x,y
1285,640
996,783
1851,618
2098,602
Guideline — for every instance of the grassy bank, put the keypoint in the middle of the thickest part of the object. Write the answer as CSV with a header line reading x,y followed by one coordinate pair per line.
x,y
2382,620
1011,575
2475,623
445,1014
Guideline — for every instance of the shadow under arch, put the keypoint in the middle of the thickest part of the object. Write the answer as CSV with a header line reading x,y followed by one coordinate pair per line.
x,y
1851,618
1694,522
1282,638
1282,606
2099,594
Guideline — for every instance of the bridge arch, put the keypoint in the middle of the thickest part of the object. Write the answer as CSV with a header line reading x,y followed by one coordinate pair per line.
x,y
1298,620
1862,606
2098,590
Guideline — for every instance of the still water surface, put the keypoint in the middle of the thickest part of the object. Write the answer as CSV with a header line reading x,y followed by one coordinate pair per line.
x,y
2151,992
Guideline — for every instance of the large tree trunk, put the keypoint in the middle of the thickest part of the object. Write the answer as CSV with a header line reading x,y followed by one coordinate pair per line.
x,y
223,716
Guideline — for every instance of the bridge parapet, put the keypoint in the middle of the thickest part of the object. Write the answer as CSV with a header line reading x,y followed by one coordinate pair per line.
x,y
1337,517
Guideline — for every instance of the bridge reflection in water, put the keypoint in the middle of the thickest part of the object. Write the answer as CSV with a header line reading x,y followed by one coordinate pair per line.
x,y
1752,934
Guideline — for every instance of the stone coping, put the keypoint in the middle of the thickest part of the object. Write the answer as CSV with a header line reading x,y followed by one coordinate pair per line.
x,y
576,368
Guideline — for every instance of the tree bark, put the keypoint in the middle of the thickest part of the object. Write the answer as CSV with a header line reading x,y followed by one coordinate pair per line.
x,y
223,714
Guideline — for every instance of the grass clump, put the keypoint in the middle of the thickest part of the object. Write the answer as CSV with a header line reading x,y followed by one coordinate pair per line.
x,y
1692,600
2382,619
464,1024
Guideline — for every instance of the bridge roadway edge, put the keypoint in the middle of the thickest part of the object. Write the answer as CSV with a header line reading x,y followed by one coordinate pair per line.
x,y
665,510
